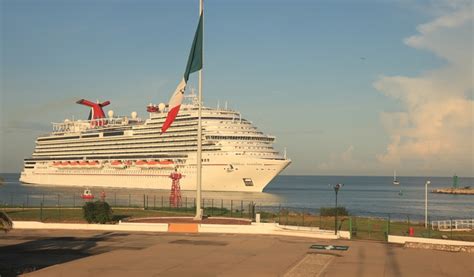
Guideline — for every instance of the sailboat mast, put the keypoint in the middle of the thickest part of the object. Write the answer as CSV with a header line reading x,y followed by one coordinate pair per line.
x,y
199,133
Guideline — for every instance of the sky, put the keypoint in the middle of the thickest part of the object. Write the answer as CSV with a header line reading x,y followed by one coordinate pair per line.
x,y
347,87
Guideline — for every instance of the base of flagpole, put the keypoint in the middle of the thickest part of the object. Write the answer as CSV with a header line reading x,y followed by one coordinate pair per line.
x,y
198,215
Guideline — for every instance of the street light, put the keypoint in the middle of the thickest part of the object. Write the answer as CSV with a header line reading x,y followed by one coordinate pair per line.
x,y
426,203
336,190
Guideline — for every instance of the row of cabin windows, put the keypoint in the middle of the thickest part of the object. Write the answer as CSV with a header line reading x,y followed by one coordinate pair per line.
x,y
126,138
240,138
92,152
118,146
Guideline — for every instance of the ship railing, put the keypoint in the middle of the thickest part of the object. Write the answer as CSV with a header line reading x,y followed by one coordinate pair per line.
x,y
82,125
455,224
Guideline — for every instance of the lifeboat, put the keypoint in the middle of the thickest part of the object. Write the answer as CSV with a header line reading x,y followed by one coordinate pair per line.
x,y
94,164
141,163
154,164
57,164
117,164
74,163
83,164
166,164
87,195
64,163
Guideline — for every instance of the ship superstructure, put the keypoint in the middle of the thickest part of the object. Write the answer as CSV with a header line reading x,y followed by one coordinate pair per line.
x,y
130,152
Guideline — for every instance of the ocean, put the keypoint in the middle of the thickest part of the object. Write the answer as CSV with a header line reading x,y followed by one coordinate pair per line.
x,y
361,195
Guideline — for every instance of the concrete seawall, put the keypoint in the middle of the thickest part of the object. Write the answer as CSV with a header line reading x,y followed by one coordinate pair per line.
x,y
254,228
465,191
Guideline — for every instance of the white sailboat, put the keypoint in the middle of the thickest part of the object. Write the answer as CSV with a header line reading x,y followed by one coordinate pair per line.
x,y
395,181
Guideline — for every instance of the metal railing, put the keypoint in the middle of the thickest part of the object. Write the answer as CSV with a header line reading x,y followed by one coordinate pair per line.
x,y
65,206
453,224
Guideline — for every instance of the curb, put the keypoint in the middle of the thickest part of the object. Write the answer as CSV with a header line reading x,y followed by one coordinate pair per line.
x,y
254,228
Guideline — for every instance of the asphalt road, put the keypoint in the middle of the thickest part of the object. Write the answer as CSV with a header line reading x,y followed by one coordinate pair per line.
x,y
95,253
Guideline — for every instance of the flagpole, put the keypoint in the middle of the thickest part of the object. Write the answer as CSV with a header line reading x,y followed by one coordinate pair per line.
x,y
199,133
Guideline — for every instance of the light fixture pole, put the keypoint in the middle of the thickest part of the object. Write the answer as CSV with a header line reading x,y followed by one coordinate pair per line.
x,y
336,190
426,203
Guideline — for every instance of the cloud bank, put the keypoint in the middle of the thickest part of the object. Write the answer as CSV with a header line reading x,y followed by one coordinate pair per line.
x,y
434,131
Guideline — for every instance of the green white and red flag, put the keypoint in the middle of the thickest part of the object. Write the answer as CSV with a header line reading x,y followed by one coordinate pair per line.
x,y
194,64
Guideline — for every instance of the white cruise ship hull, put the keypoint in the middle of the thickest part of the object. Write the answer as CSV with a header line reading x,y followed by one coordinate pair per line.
x,y
242,174
134,153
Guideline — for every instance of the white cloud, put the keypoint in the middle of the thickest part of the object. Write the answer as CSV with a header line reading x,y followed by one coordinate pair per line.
x,y
434,132
344,161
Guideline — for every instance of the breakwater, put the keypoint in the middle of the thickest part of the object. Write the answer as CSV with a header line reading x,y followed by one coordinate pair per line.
x,y
464,191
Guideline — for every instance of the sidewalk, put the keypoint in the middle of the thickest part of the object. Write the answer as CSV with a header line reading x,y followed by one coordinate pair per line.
x,y
99,253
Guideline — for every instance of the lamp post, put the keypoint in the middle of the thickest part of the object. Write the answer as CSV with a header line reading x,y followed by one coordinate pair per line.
x,y
336,190
426,203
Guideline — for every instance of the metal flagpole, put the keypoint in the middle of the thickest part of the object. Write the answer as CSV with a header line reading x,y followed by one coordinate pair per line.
x,y
199,133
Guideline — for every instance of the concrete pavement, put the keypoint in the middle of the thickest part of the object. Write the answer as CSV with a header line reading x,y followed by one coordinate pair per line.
x,y
92,253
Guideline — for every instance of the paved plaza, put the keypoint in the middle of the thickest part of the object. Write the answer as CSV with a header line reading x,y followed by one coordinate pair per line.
x,y
95,253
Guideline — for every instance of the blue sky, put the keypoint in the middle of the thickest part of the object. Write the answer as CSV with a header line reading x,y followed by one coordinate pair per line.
x,y
303,71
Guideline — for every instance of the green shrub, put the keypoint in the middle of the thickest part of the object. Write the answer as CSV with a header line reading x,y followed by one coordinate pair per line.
x,y
6,223
97,212
326,211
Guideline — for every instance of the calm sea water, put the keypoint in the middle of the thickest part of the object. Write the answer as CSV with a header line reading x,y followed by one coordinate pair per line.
x,y
375,196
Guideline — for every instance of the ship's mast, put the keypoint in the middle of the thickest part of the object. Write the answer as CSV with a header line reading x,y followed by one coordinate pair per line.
x,y
199,133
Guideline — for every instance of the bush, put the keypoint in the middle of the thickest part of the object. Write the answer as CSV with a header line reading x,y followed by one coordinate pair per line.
x,y
97,212
6,223
341,211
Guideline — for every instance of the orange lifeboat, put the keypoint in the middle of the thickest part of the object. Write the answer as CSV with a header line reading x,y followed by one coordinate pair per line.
x,y
64,163
117,164
94,164
83,163
140,162
166,164
153,163
74,163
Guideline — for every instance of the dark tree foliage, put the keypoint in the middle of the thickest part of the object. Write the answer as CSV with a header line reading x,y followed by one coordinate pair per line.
x,y
97,212
325,211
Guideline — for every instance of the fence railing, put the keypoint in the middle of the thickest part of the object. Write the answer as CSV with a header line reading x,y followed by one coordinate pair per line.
x,y
65,207
456,224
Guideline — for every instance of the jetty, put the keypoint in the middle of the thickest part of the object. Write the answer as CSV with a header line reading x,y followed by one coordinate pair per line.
x,y
465,190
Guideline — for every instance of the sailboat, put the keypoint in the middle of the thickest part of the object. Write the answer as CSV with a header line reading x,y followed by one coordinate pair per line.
x,y
395,181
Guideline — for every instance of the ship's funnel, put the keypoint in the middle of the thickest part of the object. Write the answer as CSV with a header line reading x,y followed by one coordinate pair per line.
x,y
96,108
96,113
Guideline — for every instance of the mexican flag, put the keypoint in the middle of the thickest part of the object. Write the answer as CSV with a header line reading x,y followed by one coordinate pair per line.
x,y
194,64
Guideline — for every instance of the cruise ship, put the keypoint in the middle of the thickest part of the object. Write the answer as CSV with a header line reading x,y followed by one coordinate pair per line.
x,y
129,152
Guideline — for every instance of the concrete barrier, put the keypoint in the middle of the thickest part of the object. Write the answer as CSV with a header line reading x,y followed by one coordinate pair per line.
x,y
403,240
137,227
326,233
254,228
